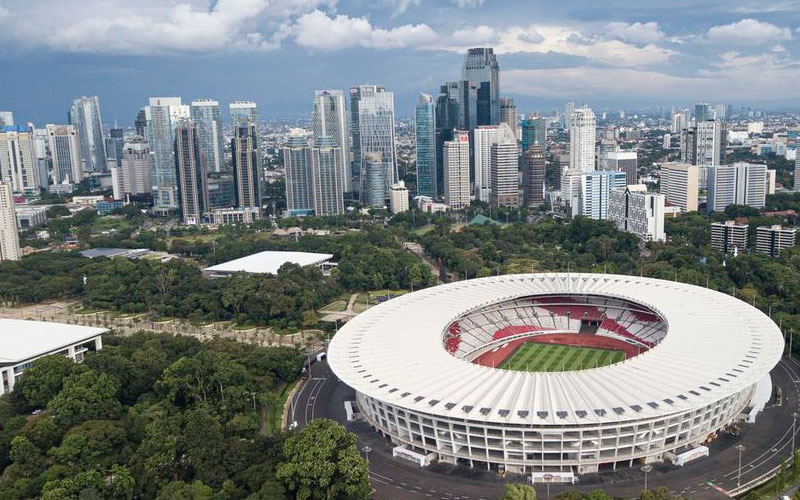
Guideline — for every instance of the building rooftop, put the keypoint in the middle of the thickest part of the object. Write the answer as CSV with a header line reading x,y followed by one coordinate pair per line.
x,y
21,339
268,262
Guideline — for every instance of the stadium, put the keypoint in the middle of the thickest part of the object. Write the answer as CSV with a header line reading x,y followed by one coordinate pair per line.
x,y
555,375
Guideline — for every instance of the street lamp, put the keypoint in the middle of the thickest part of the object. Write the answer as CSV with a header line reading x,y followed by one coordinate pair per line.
x,y
366,451
646,469
547,478
740,448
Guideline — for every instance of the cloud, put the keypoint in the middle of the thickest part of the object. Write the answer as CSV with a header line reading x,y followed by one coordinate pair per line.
x,y
635,32
400,6
748,31
478,35
467,3
316,30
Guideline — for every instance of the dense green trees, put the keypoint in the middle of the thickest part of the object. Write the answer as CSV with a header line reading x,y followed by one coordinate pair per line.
x,y
163,417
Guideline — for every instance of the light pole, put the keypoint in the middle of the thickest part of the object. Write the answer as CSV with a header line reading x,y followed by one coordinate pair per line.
x,y
547,478
740,448
646,469
366,451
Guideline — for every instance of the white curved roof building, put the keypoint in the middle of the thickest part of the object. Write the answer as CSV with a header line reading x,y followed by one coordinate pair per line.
x,y
416,365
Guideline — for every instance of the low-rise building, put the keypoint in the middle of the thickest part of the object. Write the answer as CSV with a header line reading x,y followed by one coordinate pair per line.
x,y
729,236
636,211
771,240
22,342
398,197
30,216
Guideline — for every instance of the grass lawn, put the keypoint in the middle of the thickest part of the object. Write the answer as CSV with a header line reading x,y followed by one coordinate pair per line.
x,y
108,222
275,414
536,357
338,306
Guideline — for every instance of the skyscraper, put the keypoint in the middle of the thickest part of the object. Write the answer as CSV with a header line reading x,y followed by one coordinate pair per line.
x,y
737,184
624,161
534,166
534,130
483,138
65,153
205,115
702,112
425,134
679,185
246,165
375,180
85,115
244,112
797,173
163,115
596,188
17,160
133,177
9,237
329,119
636,211
114,144
504,170
372,111
140,124
448,117
456,170
326,162
582,126
481,69
297,162
40,155
192,175
508,113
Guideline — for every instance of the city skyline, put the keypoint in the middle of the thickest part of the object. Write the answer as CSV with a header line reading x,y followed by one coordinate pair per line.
x,y
623,54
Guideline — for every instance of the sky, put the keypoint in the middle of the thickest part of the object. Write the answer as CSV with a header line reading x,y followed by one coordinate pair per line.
x,y
609,54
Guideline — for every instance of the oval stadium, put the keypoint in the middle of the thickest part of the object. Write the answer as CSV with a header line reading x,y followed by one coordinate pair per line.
x,y
557,374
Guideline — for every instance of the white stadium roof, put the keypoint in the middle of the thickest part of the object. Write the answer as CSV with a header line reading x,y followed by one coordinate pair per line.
x,y
21,340
268,262
716,345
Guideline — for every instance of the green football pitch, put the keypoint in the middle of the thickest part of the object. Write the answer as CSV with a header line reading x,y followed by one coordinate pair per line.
x,y
536,357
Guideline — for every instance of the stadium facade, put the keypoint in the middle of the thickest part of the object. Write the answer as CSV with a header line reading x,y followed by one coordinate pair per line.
x,y
422,367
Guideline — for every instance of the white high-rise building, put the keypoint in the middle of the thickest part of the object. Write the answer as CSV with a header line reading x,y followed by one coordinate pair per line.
x,y
680,121
329,119
398,198
85,115
483,139
163,115
133,177
737,184
679,185
326,167
206,117
582,130
772,177
797,173
456,171
571,190
636,211
65,153
17,160
372,118
9,237
40,155
709,143
596,189
504,169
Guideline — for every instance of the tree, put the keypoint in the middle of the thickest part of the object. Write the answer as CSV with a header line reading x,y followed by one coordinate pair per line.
x,y
519,492
179,490
42,381
95,443
323,462
87,395
26,458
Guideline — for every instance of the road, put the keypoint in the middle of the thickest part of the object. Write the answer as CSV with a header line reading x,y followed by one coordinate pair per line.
x,y
767,442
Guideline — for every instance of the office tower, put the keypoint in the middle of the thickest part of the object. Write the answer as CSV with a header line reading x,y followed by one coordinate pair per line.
x,y
772,240
85,115
624,161
702,112
709,143
375,180
447,119
17,160
455,155
602,149
163,115
688,145
582,125
244,112
596,188
114,144
729,237
372,111
65,153
246,165
797,173
508,113
205,115
680,121
483,139
192,175
140,124
720,111
398,198
297,162
570,182
9,237
772,177
6,119
504,169
133,176
636,211
329,118
569,108
737,184
534,131
221,192
326,169
534,167
425,134
41,155
679,185
481,69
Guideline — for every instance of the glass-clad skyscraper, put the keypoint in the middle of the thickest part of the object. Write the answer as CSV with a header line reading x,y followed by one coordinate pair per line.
x,y
481,69
163,115
205,115
329,119
372,111
85,115
425,130
191,174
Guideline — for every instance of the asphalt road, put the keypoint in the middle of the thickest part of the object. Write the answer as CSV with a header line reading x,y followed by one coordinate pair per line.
x,y
767,442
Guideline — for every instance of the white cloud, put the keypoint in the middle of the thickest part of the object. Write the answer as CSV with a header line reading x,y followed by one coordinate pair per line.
x,y
316,30
748,31
635,32
478,35
467,3
400,6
